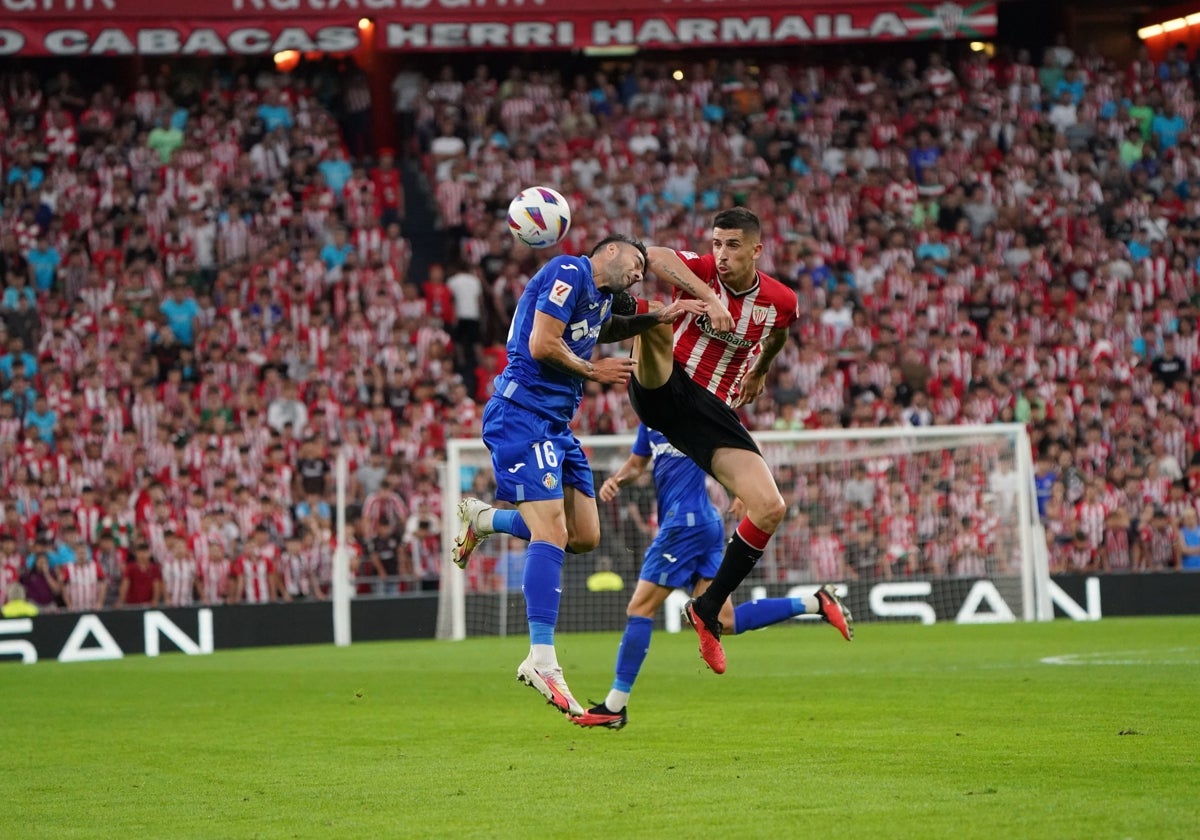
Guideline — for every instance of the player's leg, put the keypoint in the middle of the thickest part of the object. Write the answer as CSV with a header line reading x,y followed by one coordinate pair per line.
x,y
528,454
571,524
653,352
508,431
746,476
583,518
763,612
754,614
541,585
477,520
653,348
673,561
647,599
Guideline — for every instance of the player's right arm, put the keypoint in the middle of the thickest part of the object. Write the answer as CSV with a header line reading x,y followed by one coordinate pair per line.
x,y
633,467
546,345
667,264
640,457
755,378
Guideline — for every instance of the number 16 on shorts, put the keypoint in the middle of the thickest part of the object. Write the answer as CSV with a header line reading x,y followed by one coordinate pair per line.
x,y
533,458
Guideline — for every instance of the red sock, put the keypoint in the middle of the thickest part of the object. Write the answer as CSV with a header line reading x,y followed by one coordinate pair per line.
x,y
741,553
752,535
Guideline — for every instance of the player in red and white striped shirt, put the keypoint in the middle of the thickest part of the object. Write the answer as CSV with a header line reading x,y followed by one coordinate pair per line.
x,y
691,377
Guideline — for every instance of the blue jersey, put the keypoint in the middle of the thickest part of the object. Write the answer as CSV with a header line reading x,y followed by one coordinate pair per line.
x,y
564,289
681,485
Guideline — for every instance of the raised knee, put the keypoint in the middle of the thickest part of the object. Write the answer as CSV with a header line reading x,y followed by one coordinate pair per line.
x,y
770,514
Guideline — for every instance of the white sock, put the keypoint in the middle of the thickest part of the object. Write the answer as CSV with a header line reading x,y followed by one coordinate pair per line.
x,y
811,605
544,657
616,700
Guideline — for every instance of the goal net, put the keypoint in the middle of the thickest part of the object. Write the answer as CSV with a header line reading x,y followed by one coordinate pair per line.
x,y
929,524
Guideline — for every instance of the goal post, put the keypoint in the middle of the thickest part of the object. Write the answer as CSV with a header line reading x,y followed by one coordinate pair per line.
x,y
934,523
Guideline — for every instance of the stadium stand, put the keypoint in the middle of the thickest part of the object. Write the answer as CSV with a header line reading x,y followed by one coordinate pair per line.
x,y
204,294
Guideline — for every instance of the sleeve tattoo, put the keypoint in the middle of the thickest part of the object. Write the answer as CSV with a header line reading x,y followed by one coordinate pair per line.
x,y
620,327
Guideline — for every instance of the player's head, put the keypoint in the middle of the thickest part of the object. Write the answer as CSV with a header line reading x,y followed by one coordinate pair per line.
x,y
618,261
736,243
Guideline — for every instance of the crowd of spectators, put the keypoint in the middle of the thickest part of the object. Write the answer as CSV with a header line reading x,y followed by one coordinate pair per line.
x,y
205,296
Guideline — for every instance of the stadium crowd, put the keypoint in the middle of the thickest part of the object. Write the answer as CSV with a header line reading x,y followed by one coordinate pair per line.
x,y
205,295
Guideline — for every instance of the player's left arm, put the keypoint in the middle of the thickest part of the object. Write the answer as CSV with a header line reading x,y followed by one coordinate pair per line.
x,y
620,327
756,377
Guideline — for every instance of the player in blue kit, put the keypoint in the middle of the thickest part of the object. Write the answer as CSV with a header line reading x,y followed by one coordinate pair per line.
x,y
538,462
684,555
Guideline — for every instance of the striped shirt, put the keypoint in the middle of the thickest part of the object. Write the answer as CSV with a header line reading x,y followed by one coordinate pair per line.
x,y
825,554
256,570
717,361
83,585
179,580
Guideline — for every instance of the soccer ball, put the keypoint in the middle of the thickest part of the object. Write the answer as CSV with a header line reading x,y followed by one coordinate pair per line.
x,y
539,217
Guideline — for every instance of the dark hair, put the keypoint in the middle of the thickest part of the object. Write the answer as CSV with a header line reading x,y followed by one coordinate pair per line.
x,y
628,240
738,218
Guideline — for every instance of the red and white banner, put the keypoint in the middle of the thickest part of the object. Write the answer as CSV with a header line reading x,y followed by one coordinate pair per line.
x,y
260,27
135,37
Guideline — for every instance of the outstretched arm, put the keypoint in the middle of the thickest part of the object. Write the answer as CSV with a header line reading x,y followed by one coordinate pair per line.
x,y
752,383
666,264
620,327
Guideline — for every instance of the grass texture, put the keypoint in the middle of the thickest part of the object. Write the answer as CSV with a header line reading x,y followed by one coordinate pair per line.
x,y
1058,730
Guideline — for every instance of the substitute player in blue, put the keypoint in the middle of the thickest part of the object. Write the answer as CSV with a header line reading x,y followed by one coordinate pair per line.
x,y
538,462
685,554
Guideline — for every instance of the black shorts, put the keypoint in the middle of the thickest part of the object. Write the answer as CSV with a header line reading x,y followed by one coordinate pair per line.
x,y
692,418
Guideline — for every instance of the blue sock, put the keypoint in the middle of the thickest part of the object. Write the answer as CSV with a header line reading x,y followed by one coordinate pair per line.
x,y
542,586
635,644
755,614
510,522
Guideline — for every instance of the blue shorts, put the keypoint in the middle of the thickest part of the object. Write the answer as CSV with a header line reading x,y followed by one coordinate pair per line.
x,y
532,457
680,556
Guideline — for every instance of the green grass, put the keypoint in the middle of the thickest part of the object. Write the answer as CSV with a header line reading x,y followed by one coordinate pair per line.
x,y
909,732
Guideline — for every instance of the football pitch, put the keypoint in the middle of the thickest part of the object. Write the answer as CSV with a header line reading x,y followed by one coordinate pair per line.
x,y
1062,730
